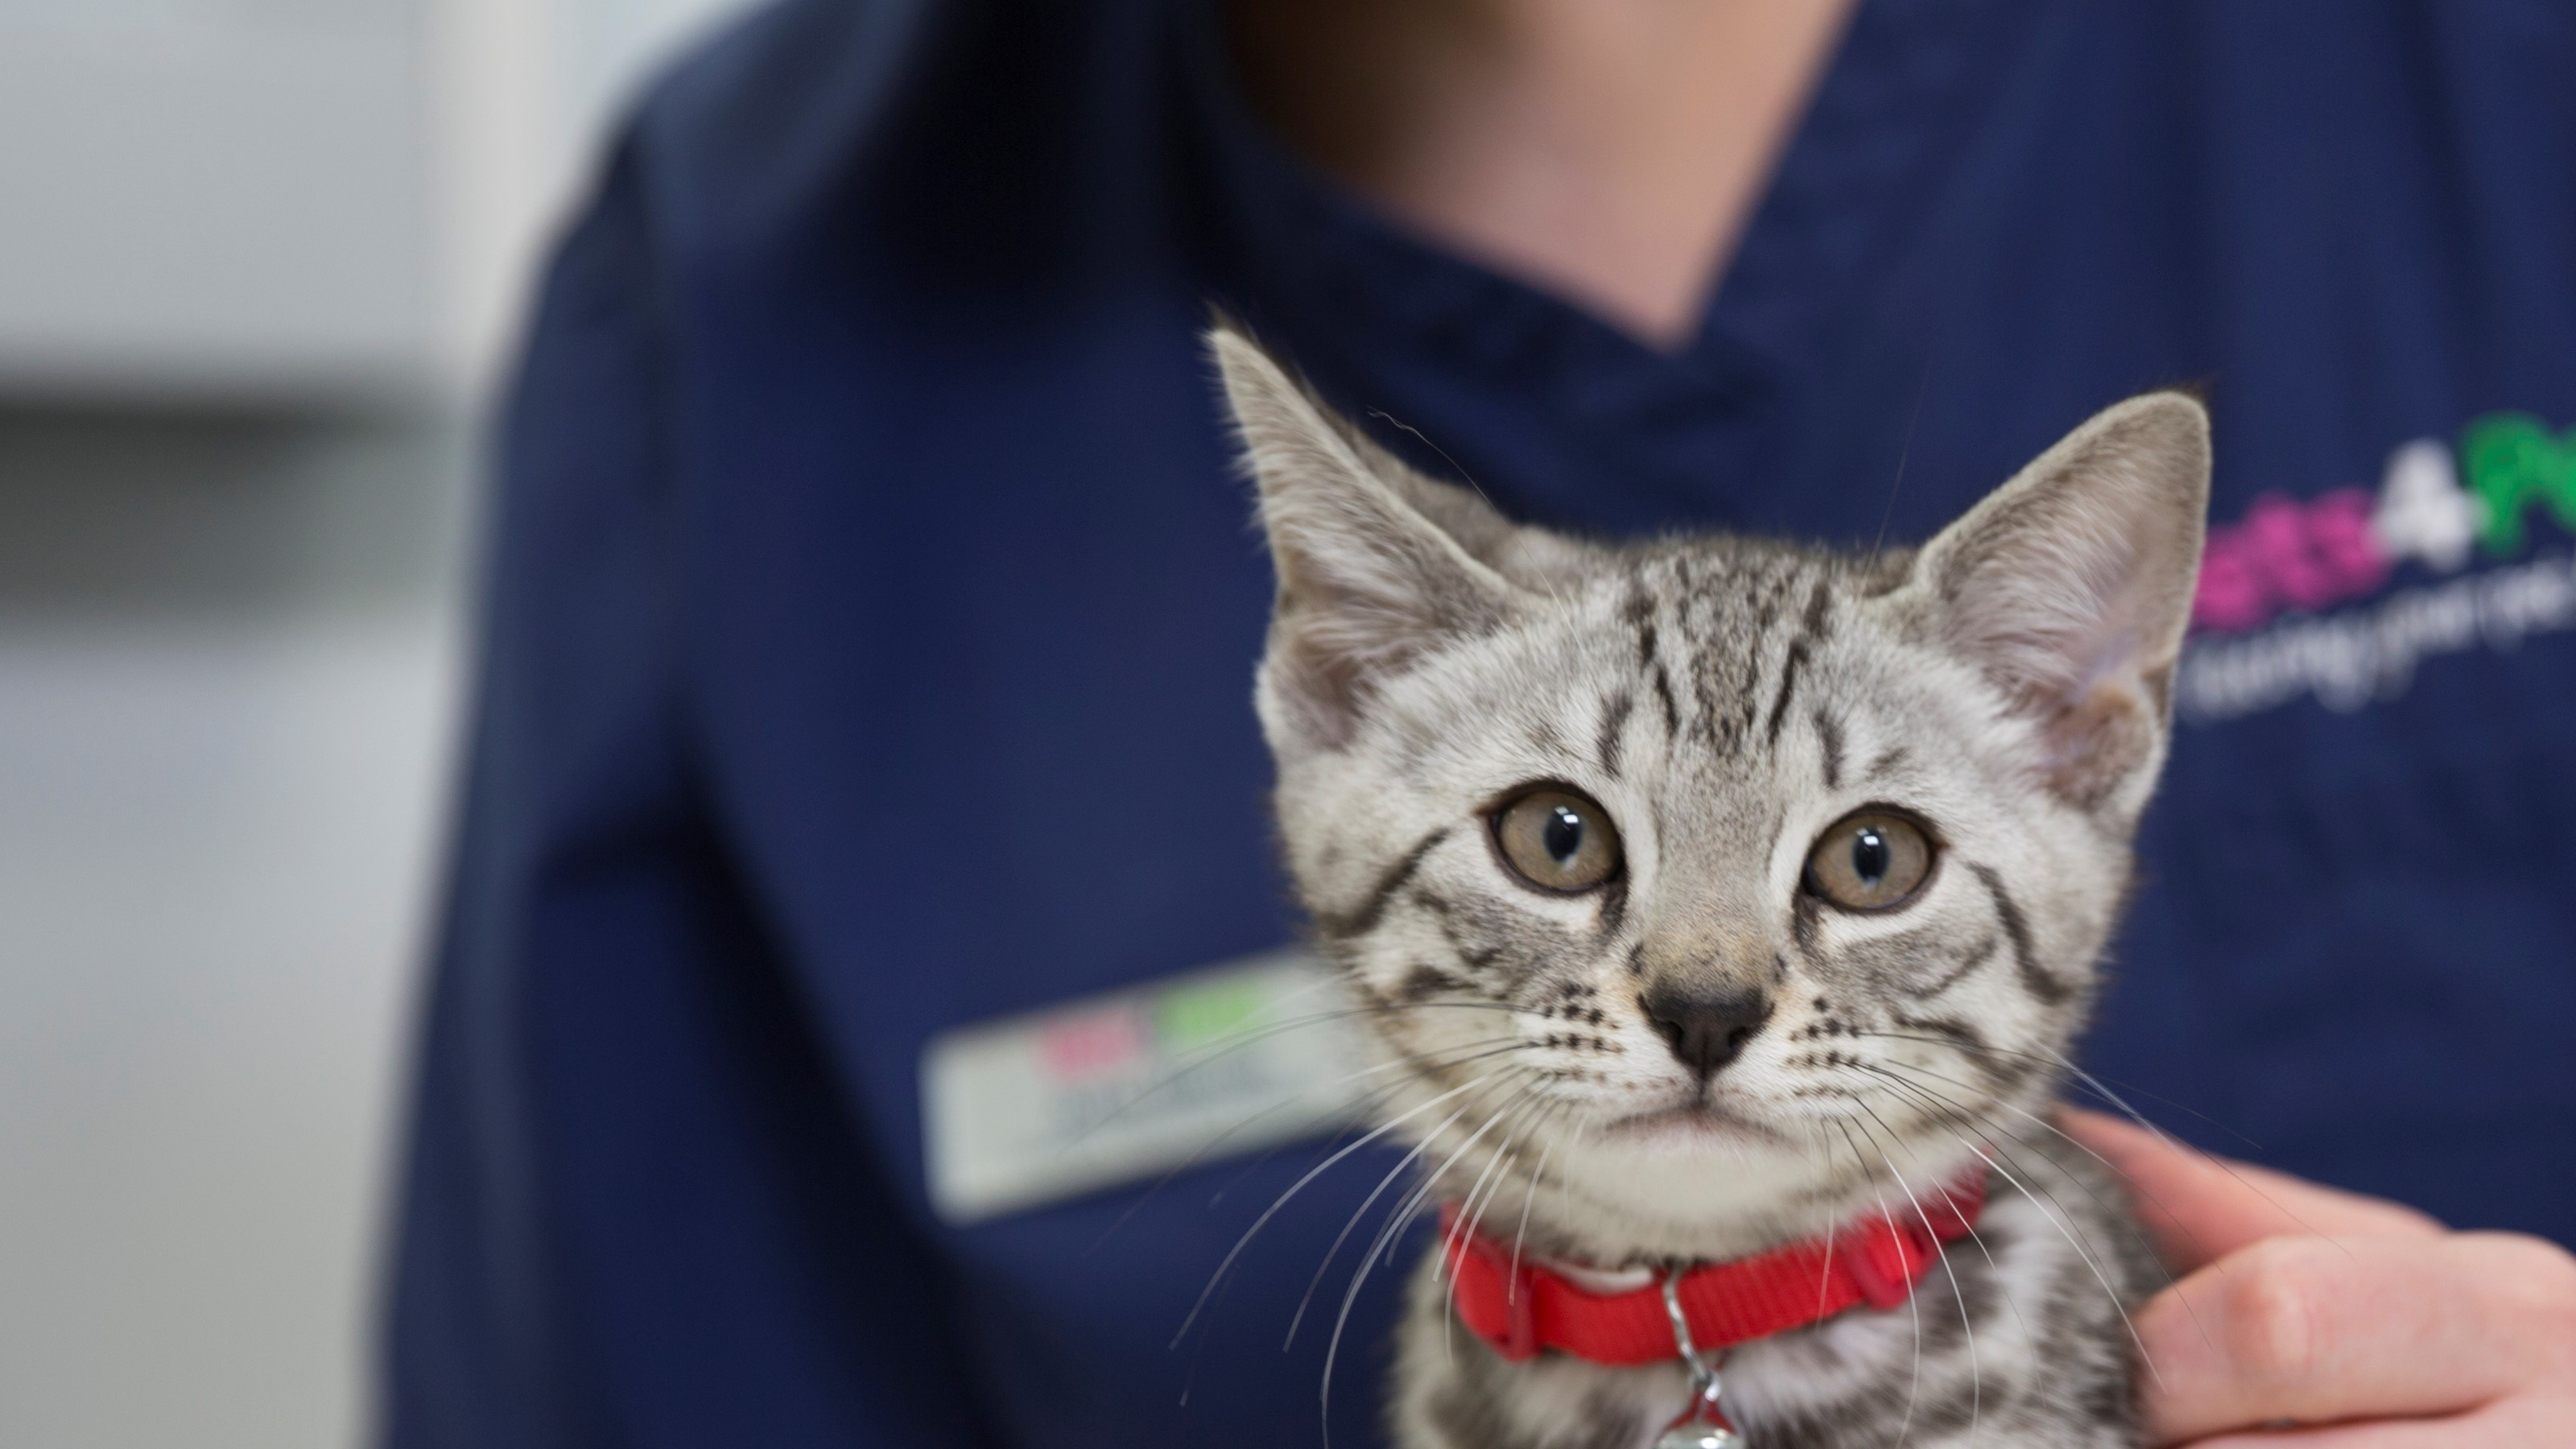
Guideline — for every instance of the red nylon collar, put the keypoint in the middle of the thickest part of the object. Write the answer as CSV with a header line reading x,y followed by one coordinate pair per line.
x,y
1523,1307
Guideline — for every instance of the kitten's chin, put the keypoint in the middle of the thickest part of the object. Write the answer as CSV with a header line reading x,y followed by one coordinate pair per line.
x,y
1690,1126
1695,1179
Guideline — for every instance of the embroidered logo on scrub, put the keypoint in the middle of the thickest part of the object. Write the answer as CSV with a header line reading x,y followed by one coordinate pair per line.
x,y
2261,633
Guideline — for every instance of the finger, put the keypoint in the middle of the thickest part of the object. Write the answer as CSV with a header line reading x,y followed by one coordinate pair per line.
x,y
2514,1424
2315,1330
2200,1208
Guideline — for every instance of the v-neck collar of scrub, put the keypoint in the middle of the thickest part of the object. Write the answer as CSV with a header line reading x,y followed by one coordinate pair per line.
x,y
1892,109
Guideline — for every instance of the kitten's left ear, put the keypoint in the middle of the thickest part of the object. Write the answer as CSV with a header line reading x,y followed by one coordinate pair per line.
x,y
2070,589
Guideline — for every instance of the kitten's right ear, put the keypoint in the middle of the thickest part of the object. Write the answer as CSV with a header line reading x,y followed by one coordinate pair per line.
x,y
1368,581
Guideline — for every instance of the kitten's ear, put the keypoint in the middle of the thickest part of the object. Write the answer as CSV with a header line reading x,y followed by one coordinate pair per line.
x,y
2070,588
1376,563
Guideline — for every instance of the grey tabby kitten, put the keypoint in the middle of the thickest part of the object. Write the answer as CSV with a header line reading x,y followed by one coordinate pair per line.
x,y
1714,892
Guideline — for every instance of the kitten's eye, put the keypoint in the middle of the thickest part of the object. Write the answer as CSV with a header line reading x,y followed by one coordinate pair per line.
x,y
1558,840
1869,861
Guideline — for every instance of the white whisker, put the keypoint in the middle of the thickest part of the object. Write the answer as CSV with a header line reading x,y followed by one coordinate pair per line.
x,y
1967,1324
1299,1185
1914,1382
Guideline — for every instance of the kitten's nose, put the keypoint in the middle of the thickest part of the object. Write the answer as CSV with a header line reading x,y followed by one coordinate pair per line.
x,y
1706,1029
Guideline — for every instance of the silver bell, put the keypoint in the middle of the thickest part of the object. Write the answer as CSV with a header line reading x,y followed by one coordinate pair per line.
x,y
1699,1434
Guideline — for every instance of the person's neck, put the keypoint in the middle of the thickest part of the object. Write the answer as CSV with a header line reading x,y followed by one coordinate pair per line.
x,y
1610,150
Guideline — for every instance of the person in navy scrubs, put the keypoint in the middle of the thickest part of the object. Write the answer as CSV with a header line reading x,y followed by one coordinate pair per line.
x,y
872,610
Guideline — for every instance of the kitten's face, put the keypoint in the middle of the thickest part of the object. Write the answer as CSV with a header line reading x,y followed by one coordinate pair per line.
x,y
1736,877
1725,921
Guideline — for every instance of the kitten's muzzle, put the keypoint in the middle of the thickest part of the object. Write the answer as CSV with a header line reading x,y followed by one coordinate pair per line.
x,y
1706,1029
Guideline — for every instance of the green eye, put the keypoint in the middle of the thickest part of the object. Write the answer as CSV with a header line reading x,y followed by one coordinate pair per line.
x,y
1558,839
1869,860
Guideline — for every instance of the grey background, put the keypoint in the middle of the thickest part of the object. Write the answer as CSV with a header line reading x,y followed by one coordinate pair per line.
x,y
227,667
238,476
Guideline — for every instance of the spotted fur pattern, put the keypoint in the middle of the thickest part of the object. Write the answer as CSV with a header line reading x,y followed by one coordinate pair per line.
x,y
1725,700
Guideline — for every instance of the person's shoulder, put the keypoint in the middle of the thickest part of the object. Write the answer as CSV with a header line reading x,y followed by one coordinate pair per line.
x,y
754,119
901,134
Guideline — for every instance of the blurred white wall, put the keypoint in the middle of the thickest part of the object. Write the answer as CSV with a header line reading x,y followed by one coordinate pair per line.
x,y
215,197
257,261
291,200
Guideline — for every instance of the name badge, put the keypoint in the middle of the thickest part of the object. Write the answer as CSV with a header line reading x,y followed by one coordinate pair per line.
x,y
1132,1084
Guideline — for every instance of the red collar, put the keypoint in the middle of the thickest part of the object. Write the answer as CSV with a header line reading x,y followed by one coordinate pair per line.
x,y
1521,1306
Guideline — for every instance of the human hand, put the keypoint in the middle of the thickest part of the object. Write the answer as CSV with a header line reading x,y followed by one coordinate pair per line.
x,y
2365,1324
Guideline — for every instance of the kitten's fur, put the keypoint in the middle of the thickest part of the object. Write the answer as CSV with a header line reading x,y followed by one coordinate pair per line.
x,y
1726,699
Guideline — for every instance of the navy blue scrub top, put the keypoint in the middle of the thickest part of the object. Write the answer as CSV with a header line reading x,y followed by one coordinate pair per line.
x,y
872,611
